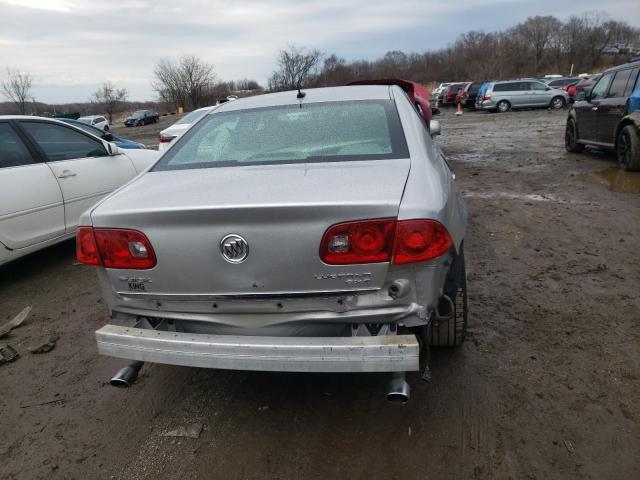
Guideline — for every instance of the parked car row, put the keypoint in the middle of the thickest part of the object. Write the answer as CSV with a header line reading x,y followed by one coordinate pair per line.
x,y
502,96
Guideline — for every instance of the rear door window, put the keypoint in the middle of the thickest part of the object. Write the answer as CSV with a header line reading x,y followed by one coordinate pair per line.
x,y
619,83
63,143
632,81
600,89
13,153
537,86
314,132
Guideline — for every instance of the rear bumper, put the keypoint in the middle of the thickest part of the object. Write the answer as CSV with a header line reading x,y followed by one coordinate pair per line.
x,y
392,353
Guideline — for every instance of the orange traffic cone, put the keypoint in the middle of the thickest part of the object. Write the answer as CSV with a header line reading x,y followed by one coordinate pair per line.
x,y
459,109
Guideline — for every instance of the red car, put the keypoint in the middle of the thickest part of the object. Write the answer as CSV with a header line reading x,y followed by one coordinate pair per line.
x,y
584,84
416,92
450,96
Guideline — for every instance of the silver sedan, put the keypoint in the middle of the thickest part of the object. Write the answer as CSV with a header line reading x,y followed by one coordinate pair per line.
x,y
314,231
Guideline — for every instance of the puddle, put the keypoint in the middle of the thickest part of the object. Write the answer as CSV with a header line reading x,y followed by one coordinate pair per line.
x,y
527,197
471,157
616,179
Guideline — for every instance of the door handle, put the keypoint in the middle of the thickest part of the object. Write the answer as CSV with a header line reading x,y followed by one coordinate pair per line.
x,y
66,174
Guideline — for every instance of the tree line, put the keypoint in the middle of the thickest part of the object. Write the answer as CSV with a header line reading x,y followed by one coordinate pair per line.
x,y
539,45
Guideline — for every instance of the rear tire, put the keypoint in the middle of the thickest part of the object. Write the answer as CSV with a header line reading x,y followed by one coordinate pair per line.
x,y
557,103
503,106
571,137
628,148
451,333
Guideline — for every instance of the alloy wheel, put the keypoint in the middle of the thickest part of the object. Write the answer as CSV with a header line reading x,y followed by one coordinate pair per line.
x,y
624,150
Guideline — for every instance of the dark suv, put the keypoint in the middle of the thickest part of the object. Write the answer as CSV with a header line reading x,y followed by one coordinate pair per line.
x,y
608,115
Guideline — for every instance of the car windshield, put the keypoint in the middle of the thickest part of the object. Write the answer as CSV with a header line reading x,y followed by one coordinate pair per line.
x,y
137,115
191,117
315,132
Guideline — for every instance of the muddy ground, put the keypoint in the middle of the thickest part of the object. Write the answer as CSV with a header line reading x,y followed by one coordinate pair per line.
x,y
546,387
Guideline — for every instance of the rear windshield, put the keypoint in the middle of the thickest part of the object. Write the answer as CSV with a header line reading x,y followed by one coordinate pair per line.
x,y
315,132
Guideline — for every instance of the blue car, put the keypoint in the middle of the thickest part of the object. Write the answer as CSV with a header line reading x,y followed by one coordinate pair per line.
x,y
109,137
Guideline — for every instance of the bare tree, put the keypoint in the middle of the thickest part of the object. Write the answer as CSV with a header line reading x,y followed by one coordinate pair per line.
x,y
296,68
110,98
17,88
184,82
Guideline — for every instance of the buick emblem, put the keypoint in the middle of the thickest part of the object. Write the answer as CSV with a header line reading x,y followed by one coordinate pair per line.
x,y
234,248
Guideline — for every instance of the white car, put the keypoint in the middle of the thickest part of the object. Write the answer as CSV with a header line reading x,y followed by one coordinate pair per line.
x,y
171,133
51,172
97,121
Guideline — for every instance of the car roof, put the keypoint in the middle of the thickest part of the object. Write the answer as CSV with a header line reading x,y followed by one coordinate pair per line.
x,y
312,95
29,117
632,64
91,116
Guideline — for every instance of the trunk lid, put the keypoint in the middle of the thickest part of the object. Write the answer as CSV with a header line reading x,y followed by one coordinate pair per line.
x,y
282,211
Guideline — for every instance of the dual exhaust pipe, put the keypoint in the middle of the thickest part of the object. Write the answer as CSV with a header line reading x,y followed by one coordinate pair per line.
x,y
397,391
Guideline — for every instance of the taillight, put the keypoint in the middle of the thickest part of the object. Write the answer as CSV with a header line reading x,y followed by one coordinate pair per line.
x,y
367,241
86,248
420,240
486,97
114,248
384,240
166,138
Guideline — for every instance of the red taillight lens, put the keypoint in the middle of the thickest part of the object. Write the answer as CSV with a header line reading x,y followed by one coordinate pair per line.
x,y
166,138
367,241
86,248
420,240
486,97
384,240
114,248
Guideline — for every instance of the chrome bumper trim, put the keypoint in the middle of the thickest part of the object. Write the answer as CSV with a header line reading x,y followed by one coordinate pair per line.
x,y
390,353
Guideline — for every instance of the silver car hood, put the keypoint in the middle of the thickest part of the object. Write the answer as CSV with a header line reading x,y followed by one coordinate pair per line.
x,y
281,210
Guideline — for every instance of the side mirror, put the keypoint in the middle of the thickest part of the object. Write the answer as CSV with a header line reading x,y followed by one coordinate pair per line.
x,y
434,128
112,148
107,136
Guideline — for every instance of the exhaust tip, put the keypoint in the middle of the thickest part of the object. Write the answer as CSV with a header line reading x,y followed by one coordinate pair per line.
x,y
396,397
398,390
125,377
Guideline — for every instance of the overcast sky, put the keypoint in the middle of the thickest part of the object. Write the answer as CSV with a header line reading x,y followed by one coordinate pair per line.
x,y
72,46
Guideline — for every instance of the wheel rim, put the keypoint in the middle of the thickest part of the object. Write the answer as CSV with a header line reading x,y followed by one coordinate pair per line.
x,y
557,103
503,107
570,136
624,147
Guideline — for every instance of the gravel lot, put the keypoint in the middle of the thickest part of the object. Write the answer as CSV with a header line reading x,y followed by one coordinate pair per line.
x,y
547,385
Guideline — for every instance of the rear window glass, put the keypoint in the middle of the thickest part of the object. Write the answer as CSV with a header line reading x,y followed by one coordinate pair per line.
x,y
315,132
13,153
619,83
503,87
632,81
